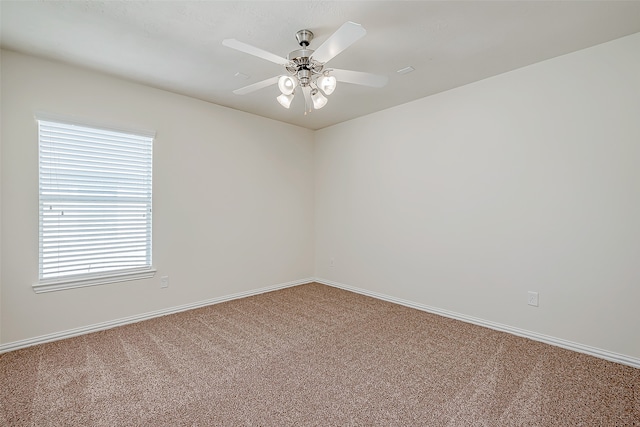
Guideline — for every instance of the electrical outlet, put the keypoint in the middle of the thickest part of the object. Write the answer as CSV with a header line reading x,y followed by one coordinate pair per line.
x,y
164,282
532,298
332,262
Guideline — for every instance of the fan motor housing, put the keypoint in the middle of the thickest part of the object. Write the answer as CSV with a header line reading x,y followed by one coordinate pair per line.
x,y
302,64
300,55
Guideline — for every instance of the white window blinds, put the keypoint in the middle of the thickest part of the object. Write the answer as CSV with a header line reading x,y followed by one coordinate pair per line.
x,y
95,200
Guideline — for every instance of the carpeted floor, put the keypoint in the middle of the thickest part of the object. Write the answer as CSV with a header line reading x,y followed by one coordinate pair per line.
x,y
311,355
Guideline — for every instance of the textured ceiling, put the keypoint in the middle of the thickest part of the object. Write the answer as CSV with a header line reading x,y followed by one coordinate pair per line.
x,y
177,45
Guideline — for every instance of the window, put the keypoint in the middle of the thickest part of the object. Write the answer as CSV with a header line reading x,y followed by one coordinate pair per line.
x,y
95,206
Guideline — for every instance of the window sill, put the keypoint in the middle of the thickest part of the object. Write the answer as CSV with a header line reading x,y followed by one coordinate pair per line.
x,y
60,284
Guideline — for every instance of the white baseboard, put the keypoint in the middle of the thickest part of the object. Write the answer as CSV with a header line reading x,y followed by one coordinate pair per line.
x,y
140,317
569,345
558,342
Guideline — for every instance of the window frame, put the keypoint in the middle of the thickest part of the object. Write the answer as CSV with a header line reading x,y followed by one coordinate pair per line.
x,y
90,279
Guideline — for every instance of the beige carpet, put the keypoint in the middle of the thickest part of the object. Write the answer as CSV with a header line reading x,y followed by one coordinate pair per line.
x,y
311,355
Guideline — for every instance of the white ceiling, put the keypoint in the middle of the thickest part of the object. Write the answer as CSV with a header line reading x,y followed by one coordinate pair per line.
x,y
176,45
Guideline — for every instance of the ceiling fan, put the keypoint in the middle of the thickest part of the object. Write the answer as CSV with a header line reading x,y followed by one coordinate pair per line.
x,y
306,69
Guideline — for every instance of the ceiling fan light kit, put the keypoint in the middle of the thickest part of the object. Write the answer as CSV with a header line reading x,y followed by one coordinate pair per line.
x,y
285,100
327,83
318,99
286,85
306,68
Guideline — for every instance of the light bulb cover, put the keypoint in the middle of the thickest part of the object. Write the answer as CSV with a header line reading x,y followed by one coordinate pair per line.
x,y
319,100
327,83
286,85
285,100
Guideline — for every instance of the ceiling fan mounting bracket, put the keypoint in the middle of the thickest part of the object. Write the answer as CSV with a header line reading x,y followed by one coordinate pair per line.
x,y
304,37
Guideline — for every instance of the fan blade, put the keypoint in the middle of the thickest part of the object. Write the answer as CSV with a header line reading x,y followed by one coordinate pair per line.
x,y
255,51
345,36
306,91
256,86
359,78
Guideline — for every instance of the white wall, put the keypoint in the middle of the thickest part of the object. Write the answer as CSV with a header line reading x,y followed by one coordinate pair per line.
x,y
233,197
466,200
462,201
